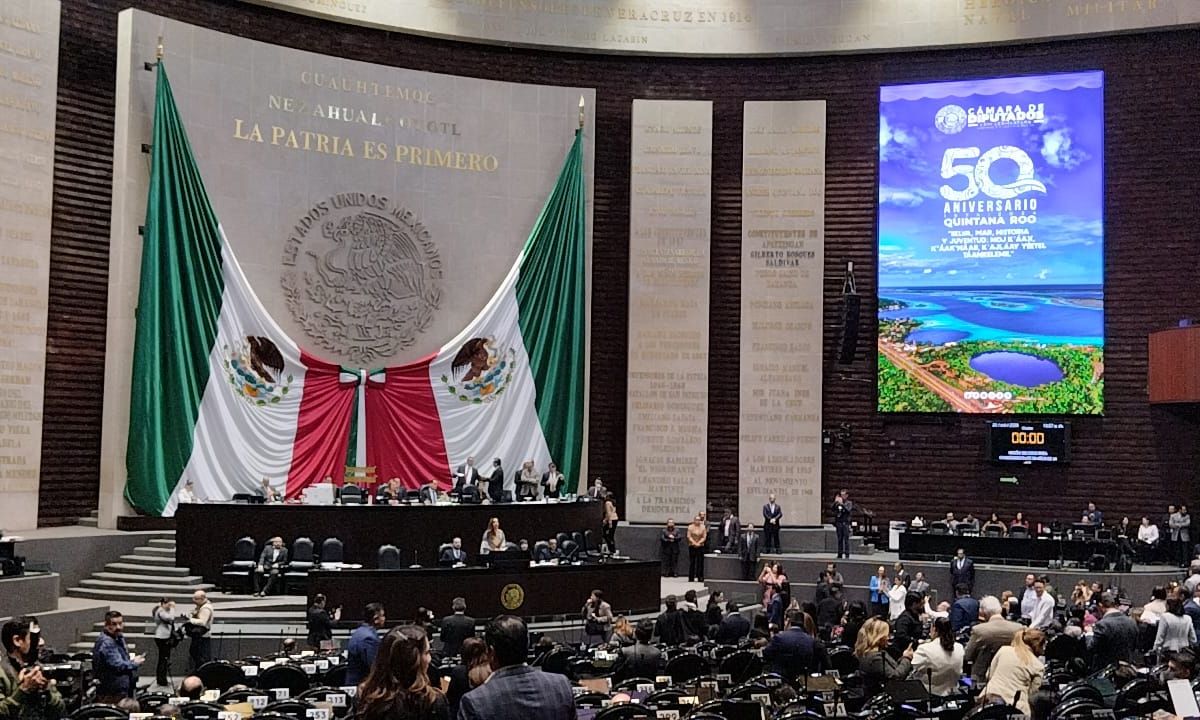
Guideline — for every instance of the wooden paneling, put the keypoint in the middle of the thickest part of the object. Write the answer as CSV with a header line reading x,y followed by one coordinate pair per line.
x,y
1133,460
1175,365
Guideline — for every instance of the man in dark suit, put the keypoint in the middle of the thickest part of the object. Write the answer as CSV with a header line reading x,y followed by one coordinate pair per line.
x,y
548,552
454,554
987,637
842,515
727,532
364,643
794,652
466,474
456,628
734,626
642,660
670,627
552,482
270,566
747,548
772,516
668,542
965,611
962,571
516,691
1114,637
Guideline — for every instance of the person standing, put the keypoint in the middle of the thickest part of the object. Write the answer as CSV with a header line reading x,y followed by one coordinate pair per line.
x,y
164,639
641,658
793,652
597,617
398,686
772,515
697,537
962,571
1114,637
728,532
879,592
467,475
530,482
1016,672
552,482
320,622
115,670
456,628
748,551
938,663
198,626
610,523
988,637
1180,524
668,542
842,513
516,691
364,644
964,613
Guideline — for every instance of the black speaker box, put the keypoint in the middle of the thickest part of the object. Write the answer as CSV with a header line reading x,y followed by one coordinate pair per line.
x,y
851,309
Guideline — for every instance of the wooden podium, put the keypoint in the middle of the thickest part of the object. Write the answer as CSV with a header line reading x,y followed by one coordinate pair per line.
x,y
1174,367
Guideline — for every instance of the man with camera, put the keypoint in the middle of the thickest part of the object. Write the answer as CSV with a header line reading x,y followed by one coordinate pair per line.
x,y
197,627
115,669
25,693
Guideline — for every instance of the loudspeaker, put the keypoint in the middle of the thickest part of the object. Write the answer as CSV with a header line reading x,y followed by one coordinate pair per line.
x,y
851,306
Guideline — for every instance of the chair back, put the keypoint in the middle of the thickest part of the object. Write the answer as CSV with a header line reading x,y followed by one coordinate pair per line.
x,y
570,550
332,551
388,557
1018,532
335,676
843,660
962,528
686,666
321,694
302,550
589,541
220,675
562,537
283,676
200,711
939,527
626,711
741,666
591,700
99,712
578,538
291,707
353,495
539,545
243,549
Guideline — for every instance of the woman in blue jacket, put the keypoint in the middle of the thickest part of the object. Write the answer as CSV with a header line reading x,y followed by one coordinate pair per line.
x,y
879,597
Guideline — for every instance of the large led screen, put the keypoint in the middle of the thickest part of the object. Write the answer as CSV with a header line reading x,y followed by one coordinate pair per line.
x,y
991,246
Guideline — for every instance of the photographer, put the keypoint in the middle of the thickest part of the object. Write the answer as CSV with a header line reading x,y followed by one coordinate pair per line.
x,y
25,694
166,637
115,669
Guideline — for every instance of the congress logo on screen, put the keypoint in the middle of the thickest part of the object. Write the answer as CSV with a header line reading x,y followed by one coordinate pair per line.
x,y
991,245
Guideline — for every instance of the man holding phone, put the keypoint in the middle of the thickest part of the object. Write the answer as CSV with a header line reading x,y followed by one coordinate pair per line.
x,y
24,691
112,664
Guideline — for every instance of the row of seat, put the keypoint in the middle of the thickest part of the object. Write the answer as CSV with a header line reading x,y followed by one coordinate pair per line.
x,y
238,573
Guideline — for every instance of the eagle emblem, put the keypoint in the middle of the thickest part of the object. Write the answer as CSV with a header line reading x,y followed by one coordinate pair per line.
x,y
480,372
369,285
254,367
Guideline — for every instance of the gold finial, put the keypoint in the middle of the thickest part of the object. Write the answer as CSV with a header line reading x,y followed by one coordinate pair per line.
x,y
581,114
159,50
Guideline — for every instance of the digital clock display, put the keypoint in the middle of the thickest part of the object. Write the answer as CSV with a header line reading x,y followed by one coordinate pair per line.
x,y
1029,442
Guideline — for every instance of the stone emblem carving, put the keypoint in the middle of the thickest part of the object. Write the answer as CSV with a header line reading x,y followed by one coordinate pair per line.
x,y
361,276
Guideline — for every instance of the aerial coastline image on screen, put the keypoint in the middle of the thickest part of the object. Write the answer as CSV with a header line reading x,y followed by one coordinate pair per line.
x,y
991,245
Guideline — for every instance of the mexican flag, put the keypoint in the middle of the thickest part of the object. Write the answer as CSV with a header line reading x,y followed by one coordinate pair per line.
x,y
223,398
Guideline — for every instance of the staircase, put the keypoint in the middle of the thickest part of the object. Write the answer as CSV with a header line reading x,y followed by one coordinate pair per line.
x,y
134,584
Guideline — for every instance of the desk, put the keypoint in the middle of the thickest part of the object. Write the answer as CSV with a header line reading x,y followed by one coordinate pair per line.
x,y
1003,550
205,533
630,586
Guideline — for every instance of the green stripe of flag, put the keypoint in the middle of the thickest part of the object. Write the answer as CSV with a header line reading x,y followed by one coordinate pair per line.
x,y
179,300
550,296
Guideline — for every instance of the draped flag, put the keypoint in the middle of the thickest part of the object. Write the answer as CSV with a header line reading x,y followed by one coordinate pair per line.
x,y
510,386
222,397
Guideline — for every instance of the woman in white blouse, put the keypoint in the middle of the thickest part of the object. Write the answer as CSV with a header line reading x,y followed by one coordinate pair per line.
x,y
938,663
1147,540
896,594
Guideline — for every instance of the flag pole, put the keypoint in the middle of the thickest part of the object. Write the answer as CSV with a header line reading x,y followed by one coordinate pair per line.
x,y
581,112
